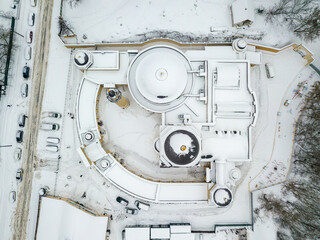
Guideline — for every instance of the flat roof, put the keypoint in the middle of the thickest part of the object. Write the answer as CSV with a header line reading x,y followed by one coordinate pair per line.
x,y
60,220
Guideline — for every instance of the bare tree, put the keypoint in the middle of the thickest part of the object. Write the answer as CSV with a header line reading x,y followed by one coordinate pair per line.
x,y
4,45
298,210
308,26
289,9
296,15
65,27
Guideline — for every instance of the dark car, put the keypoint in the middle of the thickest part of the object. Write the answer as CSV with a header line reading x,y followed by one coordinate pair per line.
x,y
22,120
122,201
19,136
26,71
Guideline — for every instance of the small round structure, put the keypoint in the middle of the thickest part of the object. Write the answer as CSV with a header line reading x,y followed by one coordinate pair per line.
x,y
113,95
181,147
43,191
159,77
105,163
235,174
82,59
222,197
89,136
239,45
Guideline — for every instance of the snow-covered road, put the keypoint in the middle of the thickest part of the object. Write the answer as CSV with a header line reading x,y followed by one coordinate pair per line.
x,y
40,55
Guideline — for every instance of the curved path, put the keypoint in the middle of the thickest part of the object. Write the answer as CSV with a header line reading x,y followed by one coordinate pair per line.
x,y
93,154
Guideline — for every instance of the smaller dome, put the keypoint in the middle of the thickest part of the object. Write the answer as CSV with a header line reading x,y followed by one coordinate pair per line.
x,y
89,136
182,147
222,197
105,163
235,174
242,44
239,45
81,58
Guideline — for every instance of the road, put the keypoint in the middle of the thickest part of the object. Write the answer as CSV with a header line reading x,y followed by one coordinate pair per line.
x,y
40,56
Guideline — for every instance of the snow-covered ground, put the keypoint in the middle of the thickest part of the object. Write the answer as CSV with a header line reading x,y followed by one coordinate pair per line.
x,y
124,20
197,19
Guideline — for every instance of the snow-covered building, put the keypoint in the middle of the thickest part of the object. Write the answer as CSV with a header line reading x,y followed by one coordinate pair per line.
x,y
64,219
165,232
207,106
242,12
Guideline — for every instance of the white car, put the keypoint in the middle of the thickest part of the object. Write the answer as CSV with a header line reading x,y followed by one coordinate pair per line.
x,y
12,196
29,36
141,205
27,53
269,70
52,148
53,140
51,114
33,3
24,90
49,126
17,153
131,211
19,174
31,18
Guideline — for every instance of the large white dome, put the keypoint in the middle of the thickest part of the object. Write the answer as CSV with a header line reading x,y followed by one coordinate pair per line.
x,y
158,78
161,76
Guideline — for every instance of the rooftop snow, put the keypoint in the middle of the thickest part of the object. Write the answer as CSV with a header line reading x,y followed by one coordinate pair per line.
x,y
60,220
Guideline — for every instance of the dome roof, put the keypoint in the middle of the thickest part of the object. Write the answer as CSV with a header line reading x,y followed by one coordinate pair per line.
x,y
158,78
161,76
222,197
181,147
81,58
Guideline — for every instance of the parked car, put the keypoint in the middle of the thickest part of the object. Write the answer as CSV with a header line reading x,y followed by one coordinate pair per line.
x,y
122,201
24,90
52,148
269,70
29,36
53,140
52,114
27,53
12,196
22,120
286,103
141,205
31,18
19,174
19,136
33,3
17,153
49,126
26,72
131,211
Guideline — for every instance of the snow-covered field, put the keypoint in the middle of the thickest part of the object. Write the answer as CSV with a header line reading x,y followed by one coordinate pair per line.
x,y
124,20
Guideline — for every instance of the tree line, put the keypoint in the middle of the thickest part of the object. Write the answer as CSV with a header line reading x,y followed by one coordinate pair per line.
x,y
297,210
